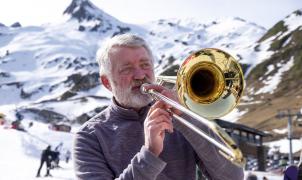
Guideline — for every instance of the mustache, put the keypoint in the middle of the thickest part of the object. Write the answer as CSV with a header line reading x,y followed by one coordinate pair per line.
x,y
140,82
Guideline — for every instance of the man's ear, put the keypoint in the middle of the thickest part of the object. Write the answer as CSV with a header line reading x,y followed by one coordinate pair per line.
x,y
105,82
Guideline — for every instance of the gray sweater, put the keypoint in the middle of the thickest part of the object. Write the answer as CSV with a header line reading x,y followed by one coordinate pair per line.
x,y
111,146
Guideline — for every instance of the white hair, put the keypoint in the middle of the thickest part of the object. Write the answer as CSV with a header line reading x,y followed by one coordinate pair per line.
x,y
126,40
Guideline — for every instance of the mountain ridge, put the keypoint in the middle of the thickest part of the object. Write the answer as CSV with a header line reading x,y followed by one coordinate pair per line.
x,y
52,68
282,66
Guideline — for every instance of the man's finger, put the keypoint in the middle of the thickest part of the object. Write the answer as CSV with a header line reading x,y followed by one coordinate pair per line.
x,y
160,120
158,128
159,112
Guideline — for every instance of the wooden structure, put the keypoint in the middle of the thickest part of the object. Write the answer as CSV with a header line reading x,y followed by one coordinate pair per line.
x,y
60,127
249,140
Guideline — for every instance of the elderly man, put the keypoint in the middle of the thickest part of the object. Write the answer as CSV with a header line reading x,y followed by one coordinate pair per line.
x,y
135,138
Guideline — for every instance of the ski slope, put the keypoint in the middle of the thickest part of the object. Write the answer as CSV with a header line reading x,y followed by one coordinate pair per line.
x,y
20,152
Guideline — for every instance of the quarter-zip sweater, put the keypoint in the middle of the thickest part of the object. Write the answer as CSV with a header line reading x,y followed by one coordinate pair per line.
x,y
111,146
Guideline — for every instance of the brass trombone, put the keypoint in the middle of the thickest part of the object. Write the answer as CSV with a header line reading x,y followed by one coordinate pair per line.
x,y
209,84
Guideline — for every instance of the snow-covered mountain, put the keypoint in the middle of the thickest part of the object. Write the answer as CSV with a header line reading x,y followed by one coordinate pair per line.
x,y
50,73
274,82
178,38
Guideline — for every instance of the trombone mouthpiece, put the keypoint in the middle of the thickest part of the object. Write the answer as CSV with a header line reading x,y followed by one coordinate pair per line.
x,y
143,88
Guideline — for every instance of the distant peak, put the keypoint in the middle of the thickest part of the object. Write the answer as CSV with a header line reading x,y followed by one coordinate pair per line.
x,y
82,10
239,19
16,25
298,12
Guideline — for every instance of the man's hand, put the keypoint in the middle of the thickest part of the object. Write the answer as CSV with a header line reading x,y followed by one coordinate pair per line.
x,y
158,121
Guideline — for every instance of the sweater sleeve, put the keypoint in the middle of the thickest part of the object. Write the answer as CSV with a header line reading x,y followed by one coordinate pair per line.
x,y
90,162
209,158
144,165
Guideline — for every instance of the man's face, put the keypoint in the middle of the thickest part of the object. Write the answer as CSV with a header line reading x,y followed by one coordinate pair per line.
x,y
131,67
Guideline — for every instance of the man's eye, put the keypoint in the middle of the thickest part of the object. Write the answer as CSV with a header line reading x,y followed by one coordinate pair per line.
x,y
145,65
126,70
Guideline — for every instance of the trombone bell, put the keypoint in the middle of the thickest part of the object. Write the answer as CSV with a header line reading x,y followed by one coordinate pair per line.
x,y
210,82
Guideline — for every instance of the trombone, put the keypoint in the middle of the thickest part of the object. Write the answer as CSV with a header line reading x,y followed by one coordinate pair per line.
x,y
209,85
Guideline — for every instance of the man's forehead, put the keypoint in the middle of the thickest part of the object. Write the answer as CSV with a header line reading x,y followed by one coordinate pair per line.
x,y
124,51
116,48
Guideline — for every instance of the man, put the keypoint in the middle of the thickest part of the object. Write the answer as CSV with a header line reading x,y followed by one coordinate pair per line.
x,y
45,157
135,138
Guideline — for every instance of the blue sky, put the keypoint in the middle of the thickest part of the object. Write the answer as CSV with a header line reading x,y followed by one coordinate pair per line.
x,y
263,12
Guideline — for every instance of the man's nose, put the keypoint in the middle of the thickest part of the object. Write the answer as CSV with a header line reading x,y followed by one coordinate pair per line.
x,y
138,74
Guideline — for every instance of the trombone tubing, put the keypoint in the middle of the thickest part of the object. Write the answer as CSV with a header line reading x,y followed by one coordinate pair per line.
x,y
157,95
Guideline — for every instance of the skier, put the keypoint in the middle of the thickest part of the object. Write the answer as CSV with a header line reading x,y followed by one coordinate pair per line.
x,y
45,157
67,156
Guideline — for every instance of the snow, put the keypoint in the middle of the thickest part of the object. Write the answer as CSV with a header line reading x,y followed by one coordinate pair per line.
x,y
21,159
270,68
77,106
38,64
254,58
234,115
20,152
280,131
40,57
284,145
293,21
230,34
287,41
271,82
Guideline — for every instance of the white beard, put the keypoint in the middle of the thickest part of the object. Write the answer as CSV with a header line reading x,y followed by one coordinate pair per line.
x,y
129,98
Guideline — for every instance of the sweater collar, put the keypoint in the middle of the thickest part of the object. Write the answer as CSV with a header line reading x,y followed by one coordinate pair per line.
x,y
129,113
